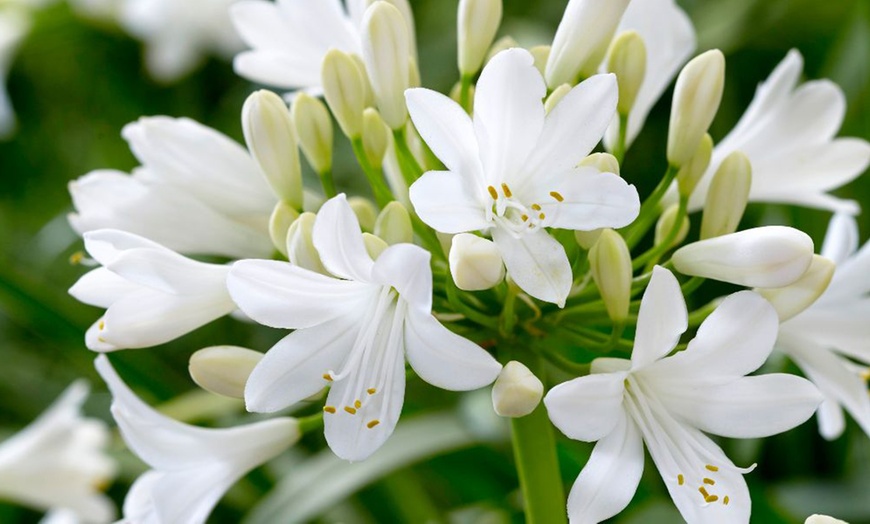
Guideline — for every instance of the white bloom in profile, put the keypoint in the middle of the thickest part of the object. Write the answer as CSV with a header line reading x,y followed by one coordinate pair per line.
x,y
788,134
58,462
669,402
151,294
830,340
14,26
353,333
197,192
192,467
511,171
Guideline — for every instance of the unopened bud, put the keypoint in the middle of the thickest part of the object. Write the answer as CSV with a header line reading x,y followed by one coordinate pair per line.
x,y
556,96
603,162
375,137
610,264
314,131
691,172
344,87
666,224
505,42
517,391
271,140
394,224
791,300
696,99
386,52
540,53
456,95
587,239
727,196
300,245
279,222
475,262
365,212
223,370
478,22
770,256
628,61
374,245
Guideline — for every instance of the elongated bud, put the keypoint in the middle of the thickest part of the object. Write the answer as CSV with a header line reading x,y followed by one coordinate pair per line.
x,y
666,224
582,39
556,96
456,95
587,239
727,197
374,245
610,264
394,224
541,53
367,84
691,172
271,140
505,42
314,131
771,256
478,22
375,137
365,212
386,51
280,221
603,162
344,87
300,245
791,300
628,61
823,519
517,391
475,262
223,370
696,100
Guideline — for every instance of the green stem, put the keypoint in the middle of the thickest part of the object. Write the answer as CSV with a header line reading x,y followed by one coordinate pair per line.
x,y
411,169
460,307
508,318
310,423
649,210
328,183
651,257
465,92
382,193
700,314
619,150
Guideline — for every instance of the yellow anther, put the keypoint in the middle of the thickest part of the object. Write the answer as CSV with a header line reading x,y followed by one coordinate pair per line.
x,y
371,391
101,339
102,325
711,499
525,218
357,404
709,481
536,207
350,410
492,192
712,467
327,377
329,409
865,375
507,190
373,423
76,258
557,196
726,500
542,216
681,480
704,493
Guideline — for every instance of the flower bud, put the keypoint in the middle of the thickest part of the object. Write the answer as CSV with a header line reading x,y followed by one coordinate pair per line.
x,y
344,87
610,264
517,391
478,22
300,245
603,162
666,224
456,95
628,61
790,300
365,212
386,52
696,100
505,42
771,256
587,239
223,370
282,217
691,172
374,245
475,262
271,140
314,131
823,519
727,196
541,53
582,39
556,96
375,137
394,224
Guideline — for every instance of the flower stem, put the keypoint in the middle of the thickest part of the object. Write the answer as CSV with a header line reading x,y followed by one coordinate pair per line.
x,y
465,93
649,210
382,193
411,169
328,183
619,150
651,257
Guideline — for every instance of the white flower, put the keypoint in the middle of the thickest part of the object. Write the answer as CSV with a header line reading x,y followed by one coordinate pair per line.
x,y
823,338
59,461
192,467
197,192
353,333
511,171
668,402
151,294
788,134
14,26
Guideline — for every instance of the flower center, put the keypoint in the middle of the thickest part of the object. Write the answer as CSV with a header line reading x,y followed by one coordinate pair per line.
x,y
509,212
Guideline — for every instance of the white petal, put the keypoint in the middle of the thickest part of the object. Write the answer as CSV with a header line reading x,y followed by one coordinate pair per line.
x,y
841,239
662,319
405,268
590,200
843,327
537,263
338,239
447,202
278,69
588,408
100,287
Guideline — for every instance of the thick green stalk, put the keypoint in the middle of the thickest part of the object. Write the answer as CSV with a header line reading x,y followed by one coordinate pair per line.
x,y
328,183
411,169
649,210
465,92
382,193
619,150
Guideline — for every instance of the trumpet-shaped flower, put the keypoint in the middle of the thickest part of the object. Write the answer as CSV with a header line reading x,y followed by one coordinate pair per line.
x,y
151,294
192,467
512,170
59,461
353,333
668,402
830,340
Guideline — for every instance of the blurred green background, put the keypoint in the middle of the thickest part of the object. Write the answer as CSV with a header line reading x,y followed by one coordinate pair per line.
x,y
75,84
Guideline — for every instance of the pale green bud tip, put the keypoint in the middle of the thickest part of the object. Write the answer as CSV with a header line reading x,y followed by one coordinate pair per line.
x,y
394,224
603,162
666,224
279,222
300,244
628,61
314,131
823,519
540,53
374,245
478,22
475,263
365,212
610,264
556,96
386,52
375,137
517,391
344,87
791,300
727,196
697,95
691,172
587,239
223,370
505,42
271,140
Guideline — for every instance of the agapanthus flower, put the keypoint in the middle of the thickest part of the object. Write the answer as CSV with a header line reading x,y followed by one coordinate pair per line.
x,y
512,170
669,402
353,333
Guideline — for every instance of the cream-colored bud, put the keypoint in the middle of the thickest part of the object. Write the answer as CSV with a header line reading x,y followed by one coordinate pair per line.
x,y
823,519
365,212
727,196
587,239
344,87
478,21
367,84
505,42
610,264
271,140
279,222
691,172
540,53
386,52
414,79
556,96
223,370
374,245
666,224
628,61
314,131
603,162
770,256
300,244
475,262
696,100
394,224
517,391
790,300
375,137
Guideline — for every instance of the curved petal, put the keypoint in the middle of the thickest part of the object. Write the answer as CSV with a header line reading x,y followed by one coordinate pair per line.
x,y
537,263
338,239
446,201
841,239
588,408
405,267
169,272
662,319
100,287
590,200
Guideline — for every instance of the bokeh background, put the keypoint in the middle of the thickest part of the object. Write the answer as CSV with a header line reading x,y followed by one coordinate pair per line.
x,y
76,82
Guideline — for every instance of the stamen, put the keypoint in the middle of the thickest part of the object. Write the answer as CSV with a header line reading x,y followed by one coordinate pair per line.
x,y
712,467
680,479
704,492
327,377
492,192
350,410
536,207
507,190
557,196
102,325
373,423
329,409
101,339
709,481
525,218
357,404
76,258
726,500
371,391
542,216
711,499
